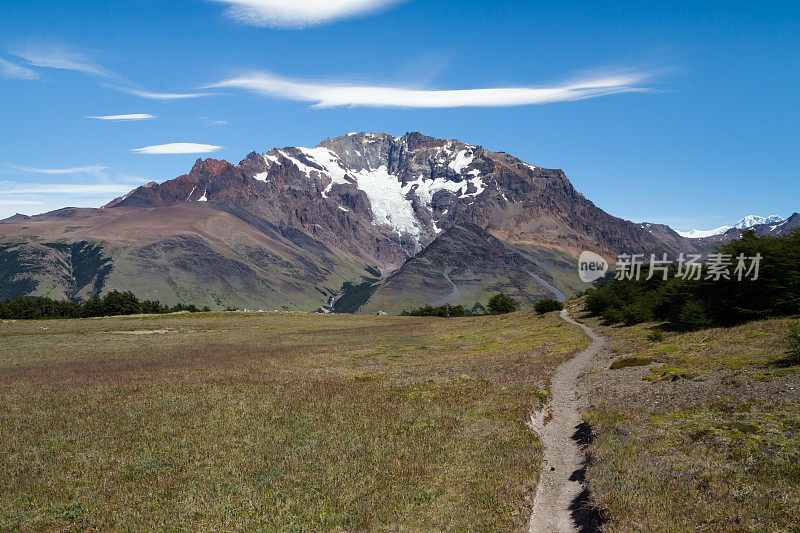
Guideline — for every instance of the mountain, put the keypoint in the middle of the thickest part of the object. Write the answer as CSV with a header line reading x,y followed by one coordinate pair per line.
x,y
390,221
771,229
747,222
462,266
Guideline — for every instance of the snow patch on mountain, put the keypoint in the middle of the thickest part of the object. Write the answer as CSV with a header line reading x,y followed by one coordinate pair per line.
x,y
388,202
426,189
330,162
461,161
700,233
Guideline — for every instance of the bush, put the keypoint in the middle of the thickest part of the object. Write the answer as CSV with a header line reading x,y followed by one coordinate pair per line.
x,y
445,311
793,344
501,303
548,305
693,317
626,362
655,336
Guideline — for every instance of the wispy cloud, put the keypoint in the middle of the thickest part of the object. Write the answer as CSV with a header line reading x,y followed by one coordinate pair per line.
x,y
21,202
12,70
178,148
84,189
213,121
165,96
91,169
132,116
335,94
300,13
62,57
65,57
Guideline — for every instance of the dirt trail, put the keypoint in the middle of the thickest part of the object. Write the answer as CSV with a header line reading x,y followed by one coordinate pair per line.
x,y
560,485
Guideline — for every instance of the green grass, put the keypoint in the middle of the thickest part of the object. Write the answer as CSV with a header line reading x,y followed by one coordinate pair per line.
x,y
273,421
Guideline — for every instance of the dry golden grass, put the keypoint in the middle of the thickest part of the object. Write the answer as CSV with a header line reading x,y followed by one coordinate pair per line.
x,y
707,438
274,421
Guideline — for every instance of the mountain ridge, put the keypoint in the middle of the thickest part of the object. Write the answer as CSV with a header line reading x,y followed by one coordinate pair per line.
x,y
291,227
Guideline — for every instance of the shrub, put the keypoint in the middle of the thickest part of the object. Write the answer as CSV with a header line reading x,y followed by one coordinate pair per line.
x,y
793,344
613,315
446,311
501,303
693,317
655,336
548,305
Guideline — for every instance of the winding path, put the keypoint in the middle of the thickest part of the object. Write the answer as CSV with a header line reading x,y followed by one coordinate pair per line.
x,y
556,425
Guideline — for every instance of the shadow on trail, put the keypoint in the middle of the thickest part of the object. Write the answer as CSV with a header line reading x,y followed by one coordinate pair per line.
x,y
585,515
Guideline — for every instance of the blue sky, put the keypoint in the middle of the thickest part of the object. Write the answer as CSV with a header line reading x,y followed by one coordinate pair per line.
x,y
684,113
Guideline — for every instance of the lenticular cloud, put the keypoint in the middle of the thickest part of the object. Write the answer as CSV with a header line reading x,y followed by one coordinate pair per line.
x,y
331,94
177,148
299,13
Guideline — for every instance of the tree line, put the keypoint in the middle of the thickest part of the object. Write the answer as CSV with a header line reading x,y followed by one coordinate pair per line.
x,y
498,304
691,304
111,304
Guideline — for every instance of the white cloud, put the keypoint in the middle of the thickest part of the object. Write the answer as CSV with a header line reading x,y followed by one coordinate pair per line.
x,y
299,13
178,148
213,121
164,96
12,70
132,116
62,57
93,169
333,94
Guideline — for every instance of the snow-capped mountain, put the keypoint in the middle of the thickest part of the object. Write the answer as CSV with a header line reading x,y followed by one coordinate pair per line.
x,y
292,227
383,199
747,222
753,220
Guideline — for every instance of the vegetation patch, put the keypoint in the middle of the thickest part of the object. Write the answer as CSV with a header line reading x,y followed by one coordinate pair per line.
x,y
548,305
626,362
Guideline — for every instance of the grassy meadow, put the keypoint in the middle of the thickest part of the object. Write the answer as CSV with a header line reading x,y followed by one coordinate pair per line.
x,y
697,431
273,421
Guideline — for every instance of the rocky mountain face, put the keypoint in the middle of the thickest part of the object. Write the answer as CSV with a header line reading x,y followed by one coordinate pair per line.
x,y
386,198
461,266
441,220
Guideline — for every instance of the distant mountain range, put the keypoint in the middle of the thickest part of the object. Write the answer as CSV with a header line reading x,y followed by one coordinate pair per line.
x,y
365,221
747,222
